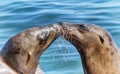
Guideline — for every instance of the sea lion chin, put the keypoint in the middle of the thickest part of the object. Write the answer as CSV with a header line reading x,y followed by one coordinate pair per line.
x,y
99,53
21,53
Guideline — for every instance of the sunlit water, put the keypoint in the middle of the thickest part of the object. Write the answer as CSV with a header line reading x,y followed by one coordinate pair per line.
x,y
61,57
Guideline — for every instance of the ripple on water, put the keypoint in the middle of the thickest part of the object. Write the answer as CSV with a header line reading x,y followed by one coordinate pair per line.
x,y
61,57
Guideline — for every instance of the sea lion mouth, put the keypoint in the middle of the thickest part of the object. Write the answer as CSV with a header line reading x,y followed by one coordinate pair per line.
x,y
49,32
74,40
70,36
55,28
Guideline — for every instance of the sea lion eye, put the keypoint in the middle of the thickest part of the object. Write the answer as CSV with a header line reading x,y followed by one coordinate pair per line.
x,y
43,40
101,39
42,37
82,26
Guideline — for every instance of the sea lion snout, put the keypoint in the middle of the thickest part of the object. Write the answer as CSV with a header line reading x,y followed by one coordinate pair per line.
x,y
72,26
56,27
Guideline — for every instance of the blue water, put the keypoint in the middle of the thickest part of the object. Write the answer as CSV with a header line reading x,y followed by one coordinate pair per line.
x,y
61,57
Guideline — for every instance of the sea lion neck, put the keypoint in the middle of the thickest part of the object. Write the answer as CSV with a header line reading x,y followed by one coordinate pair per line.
x,y
97,60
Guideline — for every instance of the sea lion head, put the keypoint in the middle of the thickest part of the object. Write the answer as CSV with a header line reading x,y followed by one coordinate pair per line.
x,y
46,35
22,51
87,37
95,45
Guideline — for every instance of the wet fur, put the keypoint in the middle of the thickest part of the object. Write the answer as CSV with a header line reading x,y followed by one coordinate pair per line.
x,y
21,53
100,55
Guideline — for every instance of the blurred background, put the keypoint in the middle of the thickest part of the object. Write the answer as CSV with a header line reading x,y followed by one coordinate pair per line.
x,y
61,57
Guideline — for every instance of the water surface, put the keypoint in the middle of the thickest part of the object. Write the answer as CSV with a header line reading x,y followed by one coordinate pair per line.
x,y
61,57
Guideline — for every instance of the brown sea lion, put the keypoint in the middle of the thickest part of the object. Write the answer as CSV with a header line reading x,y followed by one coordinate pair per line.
x,y
21,53
99,53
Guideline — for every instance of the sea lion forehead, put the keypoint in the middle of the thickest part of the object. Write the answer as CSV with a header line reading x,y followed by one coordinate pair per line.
x,y
97,29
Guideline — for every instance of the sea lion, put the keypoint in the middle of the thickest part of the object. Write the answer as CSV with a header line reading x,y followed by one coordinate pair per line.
x,y
21,53
99,53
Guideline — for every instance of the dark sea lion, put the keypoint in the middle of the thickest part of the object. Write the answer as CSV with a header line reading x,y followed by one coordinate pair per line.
x,y
99,53
21,53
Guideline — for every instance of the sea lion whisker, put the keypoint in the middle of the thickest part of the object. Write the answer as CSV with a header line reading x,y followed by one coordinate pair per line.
x,y
63,51
69,37
53,58
60,42
64,57
66,34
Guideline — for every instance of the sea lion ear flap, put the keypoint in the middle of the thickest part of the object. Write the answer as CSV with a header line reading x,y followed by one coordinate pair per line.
x,y
101,39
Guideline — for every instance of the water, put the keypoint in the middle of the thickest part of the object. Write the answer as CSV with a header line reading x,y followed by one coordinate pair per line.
x,y
19,15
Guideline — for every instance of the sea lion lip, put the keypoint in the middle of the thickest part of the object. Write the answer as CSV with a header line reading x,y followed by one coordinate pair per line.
x,y
78,42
